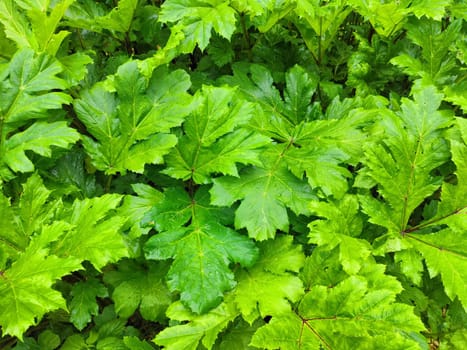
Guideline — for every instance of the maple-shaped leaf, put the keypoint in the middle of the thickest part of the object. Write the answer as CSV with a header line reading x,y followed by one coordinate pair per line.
x,y
25,95
341,228
270,285
33,24
358,310
95,235
83,304
401,166
195,329
214,140
266,193
202,251
316,148
26,292
435,65
130,127
196,20
140,287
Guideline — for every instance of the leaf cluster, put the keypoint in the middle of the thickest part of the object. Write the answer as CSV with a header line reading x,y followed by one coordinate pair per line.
x,y
206,174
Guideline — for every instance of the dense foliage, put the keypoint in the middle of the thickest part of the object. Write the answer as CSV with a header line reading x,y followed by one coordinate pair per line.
x,y
243,174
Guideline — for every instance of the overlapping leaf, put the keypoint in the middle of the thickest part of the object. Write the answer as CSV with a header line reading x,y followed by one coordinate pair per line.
x,y
214,139
30,89
83,304
342,228
202,329
130,127
266,193
343,315
415,148
270,285
445,251
96,233
196,20
20,221
33,24
434,65
136,287
202,251
26,292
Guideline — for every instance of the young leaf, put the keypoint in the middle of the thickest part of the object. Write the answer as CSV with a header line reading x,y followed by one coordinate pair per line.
x,y
130,127
202,253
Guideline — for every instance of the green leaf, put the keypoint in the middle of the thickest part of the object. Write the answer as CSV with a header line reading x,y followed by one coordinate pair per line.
x,y
342,228
36,28
445,254
238,336
196,20
130,127
120,18
69,176
25,95
83,304
134,343
359,310
199,328
210,144
201,251
29,215
134,208
270,285
435,65
267,192
402,166
386,17
38,138
139,287
26,292
95,236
